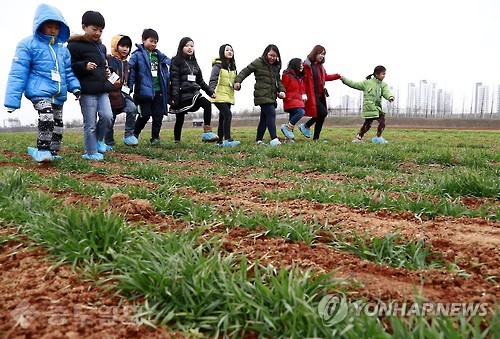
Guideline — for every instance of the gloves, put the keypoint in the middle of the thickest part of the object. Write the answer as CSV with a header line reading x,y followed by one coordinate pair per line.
x,y
77,93
10,110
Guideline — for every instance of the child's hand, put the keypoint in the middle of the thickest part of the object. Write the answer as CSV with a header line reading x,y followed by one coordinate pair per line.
x,y
213,96
237,86
10,110
90,66
282,95
391,99
77,93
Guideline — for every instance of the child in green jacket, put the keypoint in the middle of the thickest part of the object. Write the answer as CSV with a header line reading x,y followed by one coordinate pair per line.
x,y
374,88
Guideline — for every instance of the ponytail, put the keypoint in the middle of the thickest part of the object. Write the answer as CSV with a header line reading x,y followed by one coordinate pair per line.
x,y
379,69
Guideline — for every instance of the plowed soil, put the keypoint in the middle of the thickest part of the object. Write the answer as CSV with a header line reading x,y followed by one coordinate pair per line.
x,y
30,283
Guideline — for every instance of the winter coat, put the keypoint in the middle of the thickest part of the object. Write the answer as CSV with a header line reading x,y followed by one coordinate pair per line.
x,y
267,81
36,58
183,91
222,82
315,89
121,67
83,51
373,91
295,88
141,79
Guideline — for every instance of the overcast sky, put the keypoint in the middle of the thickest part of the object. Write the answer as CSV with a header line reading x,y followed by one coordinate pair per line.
x,y
454,43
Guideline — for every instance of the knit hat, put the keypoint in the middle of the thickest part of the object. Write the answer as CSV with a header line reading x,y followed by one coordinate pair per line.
x,y
93,18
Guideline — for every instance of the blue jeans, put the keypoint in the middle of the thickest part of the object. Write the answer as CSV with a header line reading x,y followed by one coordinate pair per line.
x,y
295,114
267,120
131,111
94,106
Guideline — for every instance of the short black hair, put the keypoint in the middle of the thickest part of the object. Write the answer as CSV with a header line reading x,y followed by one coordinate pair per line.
x,y
150,33
93,18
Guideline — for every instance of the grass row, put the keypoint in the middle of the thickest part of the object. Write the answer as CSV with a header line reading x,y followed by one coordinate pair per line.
x,y
193,285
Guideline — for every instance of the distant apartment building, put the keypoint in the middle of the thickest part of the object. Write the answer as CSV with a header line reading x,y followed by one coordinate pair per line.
x,y
498,99
481,95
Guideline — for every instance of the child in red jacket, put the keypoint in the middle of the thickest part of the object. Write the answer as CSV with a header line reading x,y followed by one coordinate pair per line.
x,y
294,102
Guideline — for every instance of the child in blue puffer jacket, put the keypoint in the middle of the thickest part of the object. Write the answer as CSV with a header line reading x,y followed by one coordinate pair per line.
x,y
41,69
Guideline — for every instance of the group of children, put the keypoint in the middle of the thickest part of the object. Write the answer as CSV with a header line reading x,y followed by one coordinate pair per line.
x,y
147,84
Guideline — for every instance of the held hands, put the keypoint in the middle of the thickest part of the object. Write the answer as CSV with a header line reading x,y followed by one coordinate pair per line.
x,y
237,86
282,95
391,99
78,94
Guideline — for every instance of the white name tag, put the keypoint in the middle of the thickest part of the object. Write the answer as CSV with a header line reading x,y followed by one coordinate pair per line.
x,y
56,76
154,74
113,77
191,77
125,89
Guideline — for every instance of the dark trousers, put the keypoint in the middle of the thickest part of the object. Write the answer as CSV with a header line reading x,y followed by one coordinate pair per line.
x,y
267,120
147,110
50,125
201,102
368,124
319,120
225,117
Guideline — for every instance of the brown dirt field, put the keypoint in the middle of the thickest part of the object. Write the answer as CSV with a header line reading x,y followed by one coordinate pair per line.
x,y
30,281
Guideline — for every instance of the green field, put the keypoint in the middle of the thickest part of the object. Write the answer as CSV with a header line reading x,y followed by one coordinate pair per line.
x,y
380,205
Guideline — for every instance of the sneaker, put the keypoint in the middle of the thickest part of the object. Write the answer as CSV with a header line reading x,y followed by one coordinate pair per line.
x,y
154,141
232,143
305,131
95,157
379,140
209,137
275,142
286,132
40,156
177,141
131,141
260,143
102,147
357,140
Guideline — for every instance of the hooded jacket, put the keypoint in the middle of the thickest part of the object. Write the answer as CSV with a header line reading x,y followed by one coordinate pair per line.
x,y
373,91
121,67
295,88
83,51
315,89
37,61
141,80
221,82
267,81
